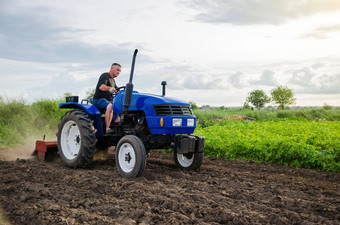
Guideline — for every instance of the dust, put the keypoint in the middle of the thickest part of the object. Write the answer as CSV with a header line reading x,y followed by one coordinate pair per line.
x,y
23,151
104,154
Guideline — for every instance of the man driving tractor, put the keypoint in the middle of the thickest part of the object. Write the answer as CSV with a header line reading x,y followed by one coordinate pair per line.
x,y
105,89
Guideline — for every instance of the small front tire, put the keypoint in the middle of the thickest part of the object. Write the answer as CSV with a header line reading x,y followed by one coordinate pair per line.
x,y
188,161
130,156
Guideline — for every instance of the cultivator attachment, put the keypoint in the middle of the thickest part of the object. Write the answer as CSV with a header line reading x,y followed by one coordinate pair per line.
x,y
45,150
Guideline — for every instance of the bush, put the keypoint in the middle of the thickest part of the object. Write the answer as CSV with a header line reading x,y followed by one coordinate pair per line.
x,y
19,121
47,113
327,107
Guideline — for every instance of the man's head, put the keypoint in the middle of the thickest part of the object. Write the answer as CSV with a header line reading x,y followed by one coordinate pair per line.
x,y
115,70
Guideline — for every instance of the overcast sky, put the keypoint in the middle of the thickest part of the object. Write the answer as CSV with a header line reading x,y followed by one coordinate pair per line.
x,y
209,52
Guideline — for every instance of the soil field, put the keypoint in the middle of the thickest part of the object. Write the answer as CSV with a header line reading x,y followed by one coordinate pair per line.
x,y
222,192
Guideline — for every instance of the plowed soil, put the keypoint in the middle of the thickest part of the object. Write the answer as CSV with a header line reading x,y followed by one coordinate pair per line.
x,y
222,192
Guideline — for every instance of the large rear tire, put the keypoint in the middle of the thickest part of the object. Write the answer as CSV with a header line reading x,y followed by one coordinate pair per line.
x,y
188,161
76,139
130,156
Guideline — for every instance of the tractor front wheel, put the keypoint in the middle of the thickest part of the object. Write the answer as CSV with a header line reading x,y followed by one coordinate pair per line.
x,y
76,139
188,161
130,156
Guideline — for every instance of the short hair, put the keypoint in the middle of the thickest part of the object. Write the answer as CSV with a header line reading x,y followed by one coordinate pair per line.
x,y
116,64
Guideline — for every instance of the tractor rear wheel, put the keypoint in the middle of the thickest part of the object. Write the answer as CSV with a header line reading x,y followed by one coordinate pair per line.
x,y
188,161
130,156
76,139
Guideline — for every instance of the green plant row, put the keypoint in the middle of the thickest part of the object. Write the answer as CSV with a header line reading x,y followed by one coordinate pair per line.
x,y
207,117
307,144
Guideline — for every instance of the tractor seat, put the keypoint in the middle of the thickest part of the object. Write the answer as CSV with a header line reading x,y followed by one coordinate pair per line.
x,y
90,100
101,111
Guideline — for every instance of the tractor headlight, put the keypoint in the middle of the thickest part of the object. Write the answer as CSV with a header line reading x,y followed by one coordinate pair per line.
x,y
177,122
191,122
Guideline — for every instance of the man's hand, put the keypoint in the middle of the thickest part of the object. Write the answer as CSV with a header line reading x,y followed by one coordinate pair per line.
x,y
113,90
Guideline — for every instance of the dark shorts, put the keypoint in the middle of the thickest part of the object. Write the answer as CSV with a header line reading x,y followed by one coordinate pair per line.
x,y
101,104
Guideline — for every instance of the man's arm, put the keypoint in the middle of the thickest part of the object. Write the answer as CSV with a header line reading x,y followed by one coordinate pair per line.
x,y
104,87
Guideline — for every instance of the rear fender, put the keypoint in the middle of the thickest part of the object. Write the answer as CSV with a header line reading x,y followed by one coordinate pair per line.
x,y
91,110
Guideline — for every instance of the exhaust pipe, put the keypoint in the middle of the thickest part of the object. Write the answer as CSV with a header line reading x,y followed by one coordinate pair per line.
x,y
129,86
163,88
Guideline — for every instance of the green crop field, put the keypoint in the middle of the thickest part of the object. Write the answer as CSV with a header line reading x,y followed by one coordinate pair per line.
x,y
308,140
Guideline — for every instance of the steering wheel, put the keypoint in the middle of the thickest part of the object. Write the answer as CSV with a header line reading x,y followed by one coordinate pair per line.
x,y
122,87
118,89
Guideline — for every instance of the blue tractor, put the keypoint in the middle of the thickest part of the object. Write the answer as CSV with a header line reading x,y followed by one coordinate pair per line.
x,y
147,122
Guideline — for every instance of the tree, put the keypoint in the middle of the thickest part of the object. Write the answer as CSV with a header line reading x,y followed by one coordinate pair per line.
x,y
193,105
90,93
283,96
67,94
325,106
258,98
246,106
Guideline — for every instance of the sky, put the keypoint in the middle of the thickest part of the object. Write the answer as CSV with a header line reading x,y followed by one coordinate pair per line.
x,y
210,52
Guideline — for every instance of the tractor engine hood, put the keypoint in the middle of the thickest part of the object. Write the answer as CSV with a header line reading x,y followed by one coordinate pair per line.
x,y
164,115
145,102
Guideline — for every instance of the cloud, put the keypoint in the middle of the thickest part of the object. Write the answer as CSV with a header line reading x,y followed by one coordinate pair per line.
x,y
28,37
303,77
206,82
328,84
322,32
60,84
267,78
308,81
245,12
180,77
49,48
46,58
238,80
317,65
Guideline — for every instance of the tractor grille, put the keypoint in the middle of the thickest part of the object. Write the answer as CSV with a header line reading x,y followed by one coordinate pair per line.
x,y
172,110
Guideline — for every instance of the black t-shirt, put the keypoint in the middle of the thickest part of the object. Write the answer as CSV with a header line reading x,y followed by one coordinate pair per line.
x,y
106,79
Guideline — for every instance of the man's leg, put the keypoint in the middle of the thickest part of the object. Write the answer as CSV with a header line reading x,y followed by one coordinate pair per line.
x,y
108,116
117,119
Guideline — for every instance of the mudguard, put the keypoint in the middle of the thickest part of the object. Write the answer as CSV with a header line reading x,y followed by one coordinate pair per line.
x,y
91,110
